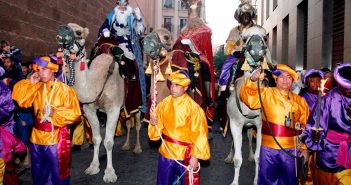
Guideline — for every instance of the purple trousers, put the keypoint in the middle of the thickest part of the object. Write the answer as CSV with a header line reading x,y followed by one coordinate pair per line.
x,y
225,72
276,167
169,171
45,167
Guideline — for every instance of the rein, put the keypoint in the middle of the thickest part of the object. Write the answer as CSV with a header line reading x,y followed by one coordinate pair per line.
x,y
269,127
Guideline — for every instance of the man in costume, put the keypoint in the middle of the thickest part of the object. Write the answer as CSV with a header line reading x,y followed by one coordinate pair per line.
x,y
244,14
182,123
332,142
192,51
8,142
55,105
286,114
312,79
125,25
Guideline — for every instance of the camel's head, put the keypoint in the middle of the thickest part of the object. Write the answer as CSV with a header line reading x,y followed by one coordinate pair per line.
x,y
71,34
157,43
255,48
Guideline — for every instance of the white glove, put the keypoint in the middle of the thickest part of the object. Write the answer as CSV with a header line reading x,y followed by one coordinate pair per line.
x,y
106,33
137,13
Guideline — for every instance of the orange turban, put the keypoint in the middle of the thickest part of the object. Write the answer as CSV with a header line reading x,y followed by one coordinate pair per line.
x,y
44,61
279,68
180,77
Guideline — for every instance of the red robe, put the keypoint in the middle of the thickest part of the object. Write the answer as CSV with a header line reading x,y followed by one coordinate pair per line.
x,y
201,39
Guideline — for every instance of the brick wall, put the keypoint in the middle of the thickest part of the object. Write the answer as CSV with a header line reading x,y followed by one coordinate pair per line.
x,y
31,25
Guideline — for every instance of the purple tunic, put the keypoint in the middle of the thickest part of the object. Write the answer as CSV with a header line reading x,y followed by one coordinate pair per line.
x,y
310,98
334,117
7,144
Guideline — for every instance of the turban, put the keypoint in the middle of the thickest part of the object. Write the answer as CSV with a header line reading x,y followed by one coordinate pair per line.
x,y
312,72
280,68
342,75
180,77
45,61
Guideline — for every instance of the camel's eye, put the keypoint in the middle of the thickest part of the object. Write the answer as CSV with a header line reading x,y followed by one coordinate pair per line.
x,y
78,33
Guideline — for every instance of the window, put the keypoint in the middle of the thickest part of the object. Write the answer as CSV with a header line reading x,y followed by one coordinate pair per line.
x,y
338,32
267,9
167,23
301,37
182,23
274,44
182,5
167,3
275,4
285,40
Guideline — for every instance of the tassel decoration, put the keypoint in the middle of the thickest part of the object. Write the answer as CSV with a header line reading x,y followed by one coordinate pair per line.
x,y
168,69
159,77
148,69
264,63
246,66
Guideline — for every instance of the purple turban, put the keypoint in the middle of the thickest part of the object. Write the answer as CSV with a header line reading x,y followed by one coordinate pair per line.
x,y
342,75
312,72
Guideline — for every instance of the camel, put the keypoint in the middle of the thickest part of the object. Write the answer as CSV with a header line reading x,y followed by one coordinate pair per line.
x,y
239,114
157,46
98,87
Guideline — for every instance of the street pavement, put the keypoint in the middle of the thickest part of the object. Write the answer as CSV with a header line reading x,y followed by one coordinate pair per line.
x,y
141,169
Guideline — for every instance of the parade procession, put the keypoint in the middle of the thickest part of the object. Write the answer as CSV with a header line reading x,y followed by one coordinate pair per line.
x,y
175,92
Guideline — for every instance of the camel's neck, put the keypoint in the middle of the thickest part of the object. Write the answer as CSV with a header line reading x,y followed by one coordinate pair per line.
x,y
82,84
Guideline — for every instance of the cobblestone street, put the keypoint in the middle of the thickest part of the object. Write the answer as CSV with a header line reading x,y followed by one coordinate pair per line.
x,y
133,169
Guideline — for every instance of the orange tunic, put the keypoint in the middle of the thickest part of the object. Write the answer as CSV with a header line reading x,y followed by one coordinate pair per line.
x,y
181,119
65,106
273,102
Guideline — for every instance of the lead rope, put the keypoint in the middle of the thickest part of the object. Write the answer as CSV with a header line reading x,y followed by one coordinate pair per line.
x,y
152,112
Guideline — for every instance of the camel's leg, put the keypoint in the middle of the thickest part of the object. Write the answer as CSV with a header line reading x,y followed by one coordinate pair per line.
x,y
111,123
95,127
137,148
251,154
257,152
238,158
230,157
126,145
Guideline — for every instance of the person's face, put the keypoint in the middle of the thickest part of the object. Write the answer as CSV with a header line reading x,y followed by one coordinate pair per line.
x,y
25,70
313,83
8,63
246,19
177,90
122,7
45,74
345,92
284,81
7,48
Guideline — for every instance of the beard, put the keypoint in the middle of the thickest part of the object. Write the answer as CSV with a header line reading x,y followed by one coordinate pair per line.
x,y
122,16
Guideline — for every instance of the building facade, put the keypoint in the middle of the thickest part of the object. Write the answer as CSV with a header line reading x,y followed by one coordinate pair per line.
x,y
307,33
32,25
174,15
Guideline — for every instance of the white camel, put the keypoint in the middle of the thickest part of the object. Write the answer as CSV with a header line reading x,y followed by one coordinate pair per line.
x,y
98,87
239,114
